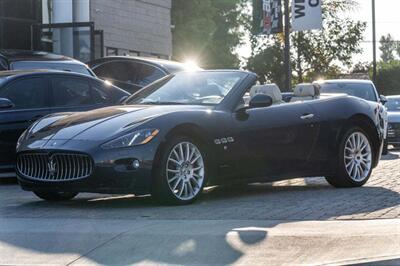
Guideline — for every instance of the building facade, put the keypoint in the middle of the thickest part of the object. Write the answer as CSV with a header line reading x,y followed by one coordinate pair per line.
x,y
136,27
88,29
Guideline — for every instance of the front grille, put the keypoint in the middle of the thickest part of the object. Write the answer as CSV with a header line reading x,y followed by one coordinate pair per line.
x,y
395,126
54,167
394,130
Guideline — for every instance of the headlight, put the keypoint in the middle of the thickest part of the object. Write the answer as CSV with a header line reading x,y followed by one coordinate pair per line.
x,y
20,139
139,137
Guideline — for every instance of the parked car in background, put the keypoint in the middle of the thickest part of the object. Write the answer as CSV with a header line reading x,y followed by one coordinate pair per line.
x,y
26,96
393,106
364,89
133,73
28,60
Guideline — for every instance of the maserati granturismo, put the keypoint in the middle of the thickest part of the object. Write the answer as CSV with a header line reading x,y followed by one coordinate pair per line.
x,y
193,129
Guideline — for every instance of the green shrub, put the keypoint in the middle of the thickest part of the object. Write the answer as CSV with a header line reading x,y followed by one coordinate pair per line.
x,y
388,78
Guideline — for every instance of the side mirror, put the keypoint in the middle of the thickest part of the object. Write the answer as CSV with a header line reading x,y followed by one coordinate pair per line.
x,y
383,99
260,100
6,103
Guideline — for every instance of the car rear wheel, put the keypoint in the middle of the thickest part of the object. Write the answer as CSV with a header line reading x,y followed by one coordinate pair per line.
x,y
355,160
55,196
182,175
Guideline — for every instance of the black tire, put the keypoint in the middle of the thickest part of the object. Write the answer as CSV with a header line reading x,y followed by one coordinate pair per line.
x,y
342,179
385,149
161,190
55,196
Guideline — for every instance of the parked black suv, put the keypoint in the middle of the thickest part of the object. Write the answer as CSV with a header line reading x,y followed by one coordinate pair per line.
x,y
24,60
133,73
26,96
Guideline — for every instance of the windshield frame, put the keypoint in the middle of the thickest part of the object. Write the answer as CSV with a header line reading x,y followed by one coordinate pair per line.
x,y
170,76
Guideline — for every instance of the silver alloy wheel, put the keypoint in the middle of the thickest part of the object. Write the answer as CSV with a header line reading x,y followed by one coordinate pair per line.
x,y
358,156
185,170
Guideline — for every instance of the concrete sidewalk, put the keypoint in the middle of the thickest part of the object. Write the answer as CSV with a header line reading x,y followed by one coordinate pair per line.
x,y
244,242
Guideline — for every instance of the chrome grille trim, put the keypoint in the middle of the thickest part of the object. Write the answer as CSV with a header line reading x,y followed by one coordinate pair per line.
x,y
54,166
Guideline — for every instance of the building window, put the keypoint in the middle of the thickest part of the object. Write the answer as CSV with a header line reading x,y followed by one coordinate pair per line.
x,y
160,56
163,57
111,51
134,53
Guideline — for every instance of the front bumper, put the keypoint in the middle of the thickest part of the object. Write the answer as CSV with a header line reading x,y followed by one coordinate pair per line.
x,y
112,171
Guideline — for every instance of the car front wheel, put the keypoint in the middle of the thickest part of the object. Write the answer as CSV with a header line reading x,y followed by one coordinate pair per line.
x,y
355,160
55,196
182,175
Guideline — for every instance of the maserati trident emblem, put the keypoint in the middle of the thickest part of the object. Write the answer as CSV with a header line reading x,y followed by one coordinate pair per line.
x,y
51,167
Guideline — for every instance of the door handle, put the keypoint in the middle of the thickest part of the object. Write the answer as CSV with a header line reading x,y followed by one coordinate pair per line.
x,y
307,116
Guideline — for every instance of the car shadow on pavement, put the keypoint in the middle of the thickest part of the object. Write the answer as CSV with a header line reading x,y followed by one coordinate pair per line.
x,y
290,200
390,156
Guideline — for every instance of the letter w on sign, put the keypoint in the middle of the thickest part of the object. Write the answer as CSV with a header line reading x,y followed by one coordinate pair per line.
x,y
306,14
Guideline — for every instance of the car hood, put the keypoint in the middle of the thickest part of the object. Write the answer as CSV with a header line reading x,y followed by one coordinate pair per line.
x,y
99,124
394,117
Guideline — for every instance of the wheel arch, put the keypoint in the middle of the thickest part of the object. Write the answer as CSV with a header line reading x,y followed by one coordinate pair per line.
x,y
366,124
190,130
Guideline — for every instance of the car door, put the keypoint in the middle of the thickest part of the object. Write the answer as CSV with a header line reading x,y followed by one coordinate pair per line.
x,y
31,99
275,140
72,94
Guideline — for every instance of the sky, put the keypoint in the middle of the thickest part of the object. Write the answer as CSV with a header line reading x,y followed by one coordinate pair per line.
x,y
387,18
387,21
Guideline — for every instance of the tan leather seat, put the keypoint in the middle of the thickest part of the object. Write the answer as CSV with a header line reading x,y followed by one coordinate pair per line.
x,y
272,90
305,92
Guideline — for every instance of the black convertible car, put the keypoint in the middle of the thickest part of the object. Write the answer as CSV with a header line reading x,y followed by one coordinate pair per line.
x,y
193,129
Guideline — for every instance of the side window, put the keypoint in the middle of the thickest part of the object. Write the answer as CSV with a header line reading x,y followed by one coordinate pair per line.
x,y
26,93
3,64
99,95
124,71
149,74
104,71
71,92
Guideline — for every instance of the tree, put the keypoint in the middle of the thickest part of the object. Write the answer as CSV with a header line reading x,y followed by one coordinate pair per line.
x,y
271,69
388,77
207,31
321,53
388,48
193,28
361,67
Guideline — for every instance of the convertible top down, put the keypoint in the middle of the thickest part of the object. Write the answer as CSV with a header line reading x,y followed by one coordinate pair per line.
x,y
193,129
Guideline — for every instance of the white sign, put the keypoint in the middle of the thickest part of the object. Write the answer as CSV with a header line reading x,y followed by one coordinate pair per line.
x,y
306,14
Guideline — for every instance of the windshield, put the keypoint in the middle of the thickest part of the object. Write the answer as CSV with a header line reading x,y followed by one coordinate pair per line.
x,y
202,88
360,90
393,104
71,67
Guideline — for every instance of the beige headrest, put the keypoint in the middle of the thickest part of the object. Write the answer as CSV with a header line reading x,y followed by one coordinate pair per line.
x,y
305,90
272,90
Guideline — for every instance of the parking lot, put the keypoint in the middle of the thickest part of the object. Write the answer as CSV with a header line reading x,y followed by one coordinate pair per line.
x,y
296,221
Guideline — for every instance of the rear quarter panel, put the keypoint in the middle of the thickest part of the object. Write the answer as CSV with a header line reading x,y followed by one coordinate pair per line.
x,y
335,114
